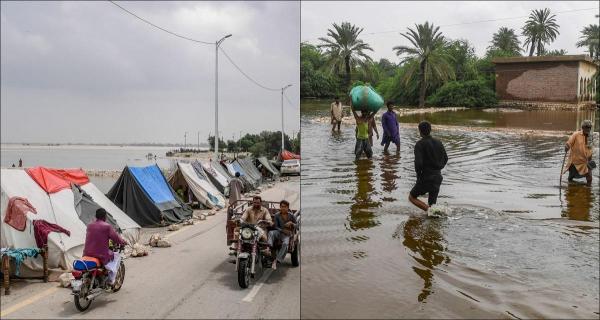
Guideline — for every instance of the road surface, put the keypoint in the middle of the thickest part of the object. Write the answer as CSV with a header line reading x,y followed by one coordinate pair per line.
x,y
191,279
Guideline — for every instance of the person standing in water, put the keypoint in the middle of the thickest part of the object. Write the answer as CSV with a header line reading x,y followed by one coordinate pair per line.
x,y
362,133
580,164
430,159
372,127
20,163
336,114
391,128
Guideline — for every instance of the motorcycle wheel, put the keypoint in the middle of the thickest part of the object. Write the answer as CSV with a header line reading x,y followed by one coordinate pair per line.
x,y
81,303
296,255
244,273
120,277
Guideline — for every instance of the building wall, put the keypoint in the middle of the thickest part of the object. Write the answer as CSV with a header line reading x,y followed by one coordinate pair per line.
x,y
555,81
586,89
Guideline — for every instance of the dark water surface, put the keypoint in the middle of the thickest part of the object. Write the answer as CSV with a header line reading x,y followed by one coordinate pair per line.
x,y
514,246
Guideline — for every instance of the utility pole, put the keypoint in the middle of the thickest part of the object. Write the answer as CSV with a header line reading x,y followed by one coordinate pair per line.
x,y
185,140
217,43
282,131
198,141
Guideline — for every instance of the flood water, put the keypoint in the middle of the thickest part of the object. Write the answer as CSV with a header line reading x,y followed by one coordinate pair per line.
x,y
514,246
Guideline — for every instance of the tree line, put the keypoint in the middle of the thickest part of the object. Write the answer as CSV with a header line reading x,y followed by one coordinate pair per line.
x,y
266,143
433,69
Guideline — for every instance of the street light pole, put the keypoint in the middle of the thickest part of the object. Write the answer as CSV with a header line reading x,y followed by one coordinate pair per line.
x,y
185,140
217,94
282,131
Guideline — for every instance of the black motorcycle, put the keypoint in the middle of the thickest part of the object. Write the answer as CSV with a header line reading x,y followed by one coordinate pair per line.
x,y
250,259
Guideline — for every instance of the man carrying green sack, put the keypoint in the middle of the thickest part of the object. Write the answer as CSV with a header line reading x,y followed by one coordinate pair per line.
x,y
362,133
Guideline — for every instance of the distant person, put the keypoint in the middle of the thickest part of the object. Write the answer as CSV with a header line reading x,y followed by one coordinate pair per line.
x,y
391,128
430,159
580,162
235,189
13,165
20,163
362,133
336,113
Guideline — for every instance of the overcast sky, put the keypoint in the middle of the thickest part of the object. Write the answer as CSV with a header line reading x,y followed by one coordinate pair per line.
x,y
387,19
90,72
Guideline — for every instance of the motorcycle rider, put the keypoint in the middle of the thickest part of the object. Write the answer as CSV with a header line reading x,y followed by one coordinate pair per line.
x,y
97,237
284,224
256,213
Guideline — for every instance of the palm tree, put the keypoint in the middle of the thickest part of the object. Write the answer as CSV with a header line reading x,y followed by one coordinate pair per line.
x,y
590,38
506,40
344,49
427,55
540,29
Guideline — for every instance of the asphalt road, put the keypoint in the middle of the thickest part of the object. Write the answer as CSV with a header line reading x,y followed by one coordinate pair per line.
x,y
191,279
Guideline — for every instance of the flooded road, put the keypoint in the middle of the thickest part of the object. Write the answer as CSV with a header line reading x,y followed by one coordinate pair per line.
x,y
514,246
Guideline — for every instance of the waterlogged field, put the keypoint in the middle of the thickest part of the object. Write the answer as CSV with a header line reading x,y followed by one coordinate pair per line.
x,y
514,246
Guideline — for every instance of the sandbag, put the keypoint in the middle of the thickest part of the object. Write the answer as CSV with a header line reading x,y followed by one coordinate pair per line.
x,y
364,98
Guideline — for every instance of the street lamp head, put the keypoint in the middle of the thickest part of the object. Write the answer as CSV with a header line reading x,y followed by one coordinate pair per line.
x,y
227,36
289,85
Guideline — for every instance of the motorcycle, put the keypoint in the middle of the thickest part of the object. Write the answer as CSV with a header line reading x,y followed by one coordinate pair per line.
x,y
250,249
91,280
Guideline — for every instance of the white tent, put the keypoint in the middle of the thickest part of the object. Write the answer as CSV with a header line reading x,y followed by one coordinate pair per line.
x,y
57,208
202,189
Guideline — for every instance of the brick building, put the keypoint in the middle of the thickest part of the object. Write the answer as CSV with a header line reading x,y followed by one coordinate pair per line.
x,y
550,81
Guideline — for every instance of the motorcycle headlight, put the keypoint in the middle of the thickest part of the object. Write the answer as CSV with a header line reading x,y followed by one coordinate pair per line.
x,y
246,233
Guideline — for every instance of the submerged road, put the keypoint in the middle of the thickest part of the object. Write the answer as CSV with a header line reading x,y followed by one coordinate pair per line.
x,y
191,279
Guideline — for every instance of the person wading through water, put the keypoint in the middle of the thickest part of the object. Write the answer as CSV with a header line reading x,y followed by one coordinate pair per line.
x,y
362,133
336,114
430,159
391,128
580,162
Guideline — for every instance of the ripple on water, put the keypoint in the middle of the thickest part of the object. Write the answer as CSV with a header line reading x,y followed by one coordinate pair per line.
x,y
503,252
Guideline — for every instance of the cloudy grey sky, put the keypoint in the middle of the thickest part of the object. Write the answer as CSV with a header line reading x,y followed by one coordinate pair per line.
x,y
89,72
383,21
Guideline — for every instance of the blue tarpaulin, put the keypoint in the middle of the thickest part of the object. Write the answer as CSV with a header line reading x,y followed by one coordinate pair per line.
x,y
153,182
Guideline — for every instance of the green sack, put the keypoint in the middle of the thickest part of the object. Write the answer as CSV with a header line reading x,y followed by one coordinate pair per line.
x,y
364,98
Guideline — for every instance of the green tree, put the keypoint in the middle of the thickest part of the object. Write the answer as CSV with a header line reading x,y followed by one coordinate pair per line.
x,y
590,38
344,50
314,82
540,29
506,40
463,59
427,58
211,142
554,52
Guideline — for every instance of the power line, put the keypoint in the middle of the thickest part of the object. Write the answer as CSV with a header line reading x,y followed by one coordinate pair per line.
x,y
470,22
160,28
246,75
198,41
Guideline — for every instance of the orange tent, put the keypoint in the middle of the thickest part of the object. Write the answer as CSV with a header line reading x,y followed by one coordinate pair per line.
x,y
54,180
286,155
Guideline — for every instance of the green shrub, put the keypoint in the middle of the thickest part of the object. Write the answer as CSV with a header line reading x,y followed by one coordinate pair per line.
x,y
470,94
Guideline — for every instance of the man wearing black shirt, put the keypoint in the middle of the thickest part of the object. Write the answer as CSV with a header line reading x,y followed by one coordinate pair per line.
x,y
430,159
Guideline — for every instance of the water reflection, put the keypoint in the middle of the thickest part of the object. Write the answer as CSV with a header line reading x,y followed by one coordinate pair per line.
x,y
580,199
361,211
424,238
389,173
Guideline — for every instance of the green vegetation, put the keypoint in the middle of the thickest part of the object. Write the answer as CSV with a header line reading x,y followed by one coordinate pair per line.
x,y
590,38
266,143
540,29
432,69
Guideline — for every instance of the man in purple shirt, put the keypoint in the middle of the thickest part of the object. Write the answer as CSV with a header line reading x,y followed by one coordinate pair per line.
x,y
97,236
391,132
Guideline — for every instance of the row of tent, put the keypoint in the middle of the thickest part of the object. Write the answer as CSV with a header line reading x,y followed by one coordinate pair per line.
x,y
141,197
